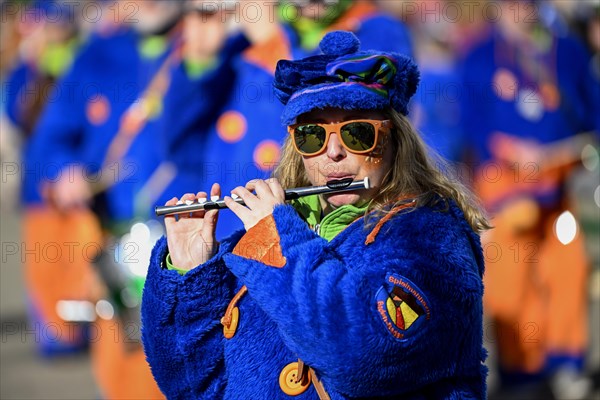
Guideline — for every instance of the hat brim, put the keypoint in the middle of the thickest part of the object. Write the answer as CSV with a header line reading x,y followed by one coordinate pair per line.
x,y
344,95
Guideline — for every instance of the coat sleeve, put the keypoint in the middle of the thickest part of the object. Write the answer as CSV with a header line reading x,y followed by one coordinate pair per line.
x,y
332,309
181,330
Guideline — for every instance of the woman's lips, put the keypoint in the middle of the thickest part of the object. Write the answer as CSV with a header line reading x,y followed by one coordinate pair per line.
x,y
337,176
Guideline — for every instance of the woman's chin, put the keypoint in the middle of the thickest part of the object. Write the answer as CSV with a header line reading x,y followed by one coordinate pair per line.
x,y
341,199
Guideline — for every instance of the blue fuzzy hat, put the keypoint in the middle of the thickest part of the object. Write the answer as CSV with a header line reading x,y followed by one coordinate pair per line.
x,y
344,77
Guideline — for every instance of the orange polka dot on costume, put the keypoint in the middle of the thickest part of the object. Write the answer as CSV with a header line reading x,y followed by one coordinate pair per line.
x,y
505,84
98,110
266,154
231,126
550,96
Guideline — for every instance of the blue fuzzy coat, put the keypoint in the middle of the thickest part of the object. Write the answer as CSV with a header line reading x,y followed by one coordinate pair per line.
x,y
323,306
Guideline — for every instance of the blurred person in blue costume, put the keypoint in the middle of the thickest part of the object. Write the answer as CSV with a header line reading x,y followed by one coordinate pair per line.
x,y
76,155
49,40
305,22
244,142
442,33
530,96
199,84
363,294
207,78
103,93
46,50
10,140
38,43
435,109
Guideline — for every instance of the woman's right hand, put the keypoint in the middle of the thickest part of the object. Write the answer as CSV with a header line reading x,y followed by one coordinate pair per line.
x,y
191,237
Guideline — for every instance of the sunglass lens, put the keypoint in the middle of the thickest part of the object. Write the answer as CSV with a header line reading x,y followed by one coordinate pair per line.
x,y
309,138
358,136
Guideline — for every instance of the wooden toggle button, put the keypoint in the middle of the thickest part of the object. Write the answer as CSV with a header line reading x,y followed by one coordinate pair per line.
x,y
229,330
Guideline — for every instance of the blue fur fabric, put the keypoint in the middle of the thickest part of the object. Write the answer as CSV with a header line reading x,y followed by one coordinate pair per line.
x,y
322,307
339,43
307,84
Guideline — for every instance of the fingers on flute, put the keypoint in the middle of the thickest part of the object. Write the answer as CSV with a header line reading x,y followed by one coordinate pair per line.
x,y
172,202
215,192
200,198
187,198
236,208
249,198
259,186
170,218
242,212
276,188
210,219
251,184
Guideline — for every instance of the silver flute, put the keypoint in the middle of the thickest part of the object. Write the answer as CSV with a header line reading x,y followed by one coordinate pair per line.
x,y
334,186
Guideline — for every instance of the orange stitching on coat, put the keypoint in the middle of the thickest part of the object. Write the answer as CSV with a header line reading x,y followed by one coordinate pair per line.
x,y
371,238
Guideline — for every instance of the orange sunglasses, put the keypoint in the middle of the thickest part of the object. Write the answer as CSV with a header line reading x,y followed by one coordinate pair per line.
x,y
358,136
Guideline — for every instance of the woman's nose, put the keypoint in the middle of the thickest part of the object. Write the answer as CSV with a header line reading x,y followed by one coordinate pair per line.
x,y
335,150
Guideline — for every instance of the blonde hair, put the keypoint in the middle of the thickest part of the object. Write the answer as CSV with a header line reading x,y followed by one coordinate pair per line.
x,y
416,171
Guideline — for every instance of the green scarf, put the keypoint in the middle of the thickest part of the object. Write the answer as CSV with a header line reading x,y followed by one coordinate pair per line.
x,y
331,224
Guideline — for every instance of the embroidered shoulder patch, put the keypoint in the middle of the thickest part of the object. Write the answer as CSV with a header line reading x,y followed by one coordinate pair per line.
x,y
401,306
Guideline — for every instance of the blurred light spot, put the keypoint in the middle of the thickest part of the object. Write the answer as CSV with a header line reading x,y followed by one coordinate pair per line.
x,y
156,229
140,232
135,247
530,105
105,310
75,310
597,196
129,298
589,157
124,250
565,227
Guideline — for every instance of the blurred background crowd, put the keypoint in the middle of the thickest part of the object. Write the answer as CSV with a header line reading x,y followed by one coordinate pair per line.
x,y
111,107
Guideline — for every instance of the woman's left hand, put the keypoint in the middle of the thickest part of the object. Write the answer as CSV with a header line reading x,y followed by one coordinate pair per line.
x,y
269,193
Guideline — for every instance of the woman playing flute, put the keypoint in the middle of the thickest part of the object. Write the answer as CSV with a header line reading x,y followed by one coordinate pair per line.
x,y
361,294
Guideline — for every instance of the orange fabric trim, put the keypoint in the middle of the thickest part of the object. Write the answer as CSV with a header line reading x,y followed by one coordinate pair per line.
x,y
261,243
268,53
371,238
351,19
226,320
